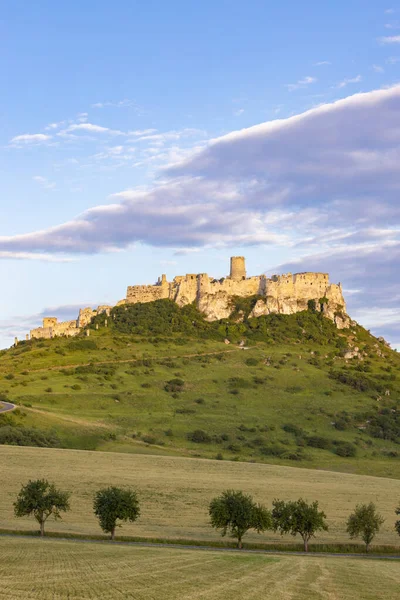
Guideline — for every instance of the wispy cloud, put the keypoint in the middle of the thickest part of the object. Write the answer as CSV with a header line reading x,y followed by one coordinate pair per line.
x,y
301,83
389,11
322,63
44,182
390,39
393,60
378,69
346,81
120,104
238,112
91,128
30,138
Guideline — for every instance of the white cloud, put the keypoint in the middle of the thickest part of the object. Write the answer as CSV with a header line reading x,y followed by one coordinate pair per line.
x,y
118,104
389,11
322,63
393,60
378,69
44,182
52,126
301,83
391,39
238,112
30,138
288,181
346,81
88,127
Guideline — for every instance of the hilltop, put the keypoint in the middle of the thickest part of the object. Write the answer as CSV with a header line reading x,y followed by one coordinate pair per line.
x,y
216,298
291,389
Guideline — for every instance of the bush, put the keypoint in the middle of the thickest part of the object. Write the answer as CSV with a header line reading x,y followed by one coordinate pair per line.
x,y
294,429
346,449
316,441
174,385
28,436
252,362
199,436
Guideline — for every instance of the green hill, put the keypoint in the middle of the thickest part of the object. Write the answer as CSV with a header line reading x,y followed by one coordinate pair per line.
x,y
160,379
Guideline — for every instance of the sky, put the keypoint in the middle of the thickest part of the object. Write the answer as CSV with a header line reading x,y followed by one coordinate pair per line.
x,y
140,138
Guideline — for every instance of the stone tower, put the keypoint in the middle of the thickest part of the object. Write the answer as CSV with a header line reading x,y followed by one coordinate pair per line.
x,y
238,267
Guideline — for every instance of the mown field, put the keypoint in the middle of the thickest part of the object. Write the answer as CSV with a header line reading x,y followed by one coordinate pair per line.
x,y
44,570
175,492
289,397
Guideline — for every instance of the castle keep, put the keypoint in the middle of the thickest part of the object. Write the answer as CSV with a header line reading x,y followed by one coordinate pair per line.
x,y
284,294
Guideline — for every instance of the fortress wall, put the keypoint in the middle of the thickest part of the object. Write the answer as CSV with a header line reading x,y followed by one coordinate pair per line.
x,y
311,285
146,293
64,327
243,287
280,286
41,333
50,321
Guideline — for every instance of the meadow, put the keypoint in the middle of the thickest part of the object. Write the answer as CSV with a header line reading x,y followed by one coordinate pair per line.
x,y
161,380
175,492
48,569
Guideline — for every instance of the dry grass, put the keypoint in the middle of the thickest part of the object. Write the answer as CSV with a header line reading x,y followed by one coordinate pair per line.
x,y
44,570
174,492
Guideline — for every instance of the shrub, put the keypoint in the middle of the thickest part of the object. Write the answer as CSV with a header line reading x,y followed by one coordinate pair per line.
x,y
174,385
295,429
199,436
252,362
316,441
346,449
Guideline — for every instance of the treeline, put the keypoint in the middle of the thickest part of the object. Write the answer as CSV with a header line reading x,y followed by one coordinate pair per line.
x,y
233,513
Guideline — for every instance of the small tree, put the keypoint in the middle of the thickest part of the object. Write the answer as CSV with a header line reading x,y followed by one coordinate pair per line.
x,y
112,504
364,522
41,499
298,517
237,512
397,524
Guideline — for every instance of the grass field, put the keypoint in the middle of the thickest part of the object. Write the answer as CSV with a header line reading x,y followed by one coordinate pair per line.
x,y
175,492
45,570
240,399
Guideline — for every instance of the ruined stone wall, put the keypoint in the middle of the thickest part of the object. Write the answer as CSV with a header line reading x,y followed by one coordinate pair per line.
x,y
146,293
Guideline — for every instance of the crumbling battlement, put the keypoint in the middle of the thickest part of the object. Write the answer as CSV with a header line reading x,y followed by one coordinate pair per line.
x,y
284,294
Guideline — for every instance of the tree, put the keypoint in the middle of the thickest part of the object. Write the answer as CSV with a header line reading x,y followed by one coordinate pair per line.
x,y
298,517
397,524
364,522
237,512
41,499
112,504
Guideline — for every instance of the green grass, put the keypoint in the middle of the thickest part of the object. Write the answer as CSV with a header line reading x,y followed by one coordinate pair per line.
x,y
47,569
241,399
175,492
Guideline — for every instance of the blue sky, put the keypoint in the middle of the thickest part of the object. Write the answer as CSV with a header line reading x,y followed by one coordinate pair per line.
x,y
141,138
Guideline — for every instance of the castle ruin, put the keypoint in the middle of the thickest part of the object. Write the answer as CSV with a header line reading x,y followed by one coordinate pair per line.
x,y
283,294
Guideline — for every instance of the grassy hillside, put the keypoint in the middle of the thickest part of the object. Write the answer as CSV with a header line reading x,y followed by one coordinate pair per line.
x,y
175,492
71,570
160,379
